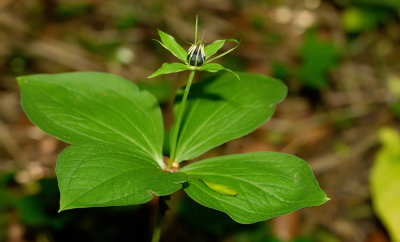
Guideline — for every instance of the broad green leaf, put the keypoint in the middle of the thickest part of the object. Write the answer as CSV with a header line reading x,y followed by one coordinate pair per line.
x,y
97,176
267,184
167,68
215,67
223,108
88,107
169,43
385,182
214,47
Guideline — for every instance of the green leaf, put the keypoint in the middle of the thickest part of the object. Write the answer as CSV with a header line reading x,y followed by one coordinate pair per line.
x,y
96,108
385,182
223,108
268,184
167,68
97,176
215,67
214,47
169,43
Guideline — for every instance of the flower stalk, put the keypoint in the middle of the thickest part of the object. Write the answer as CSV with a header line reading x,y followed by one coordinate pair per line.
x,y
174,138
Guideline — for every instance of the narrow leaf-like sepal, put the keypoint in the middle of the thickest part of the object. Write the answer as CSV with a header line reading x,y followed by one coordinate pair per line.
x,y
224,53
169,43
215,67
214,47
168,68
384,181
256,186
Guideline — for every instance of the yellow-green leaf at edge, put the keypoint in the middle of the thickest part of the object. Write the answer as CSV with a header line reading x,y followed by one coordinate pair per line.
x,y
385,182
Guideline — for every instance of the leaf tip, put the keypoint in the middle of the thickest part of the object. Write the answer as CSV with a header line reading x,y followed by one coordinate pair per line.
x,y
62,208
237,76
233,73
21,80
65,205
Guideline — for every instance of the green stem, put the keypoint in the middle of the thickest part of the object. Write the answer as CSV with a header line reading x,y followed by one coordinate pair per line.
x,y
162,207
178,121
157,229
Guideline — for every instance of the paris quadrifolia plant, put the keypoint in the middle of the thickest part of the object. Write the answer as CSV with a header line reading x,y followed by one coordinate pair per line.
x,y
116,137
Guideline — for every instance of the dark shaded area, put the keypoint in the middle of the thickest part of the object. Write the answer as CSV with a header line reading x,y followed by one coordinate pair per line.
x,y
38,213
200,91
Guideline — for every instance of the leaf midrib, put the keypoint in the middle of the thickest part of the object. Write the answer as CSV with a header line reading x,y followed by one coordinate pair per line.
x,y
120,113
245,181
146,152
105,181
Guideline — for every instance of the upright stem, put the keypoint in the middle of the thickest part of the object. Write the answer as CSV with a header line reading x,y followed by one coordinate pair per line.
x,y
157,228
161,209
179,120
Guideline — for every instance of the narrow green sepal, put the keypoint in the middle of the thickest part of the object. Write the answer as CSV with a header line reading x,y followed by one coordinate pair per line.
x,y
224,53
169,43
215,67
168,68
214,47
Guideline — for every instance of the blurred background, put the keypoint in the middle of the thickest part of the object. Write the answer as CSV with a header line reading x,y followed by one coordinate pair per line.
x,y
339,58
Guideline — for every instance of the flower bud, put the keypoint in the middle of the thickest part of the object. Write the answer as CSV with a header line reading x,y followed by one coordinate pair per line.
x,y
196,56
